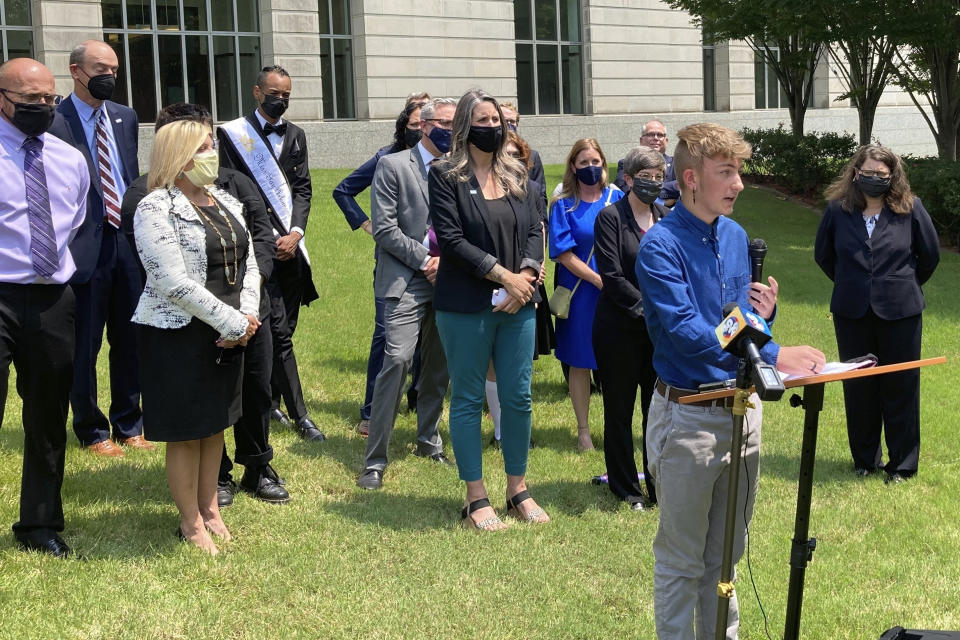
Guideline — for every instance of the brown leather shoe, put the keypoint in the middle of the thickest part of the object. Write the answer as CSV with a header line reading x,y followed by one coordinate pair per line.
x,y
106,448
137,442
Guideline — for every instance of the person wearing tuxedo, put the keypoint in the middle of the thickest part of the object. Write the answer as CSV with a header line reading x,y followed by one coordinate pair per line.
x,y
43,182
252,430
878,245
107,282
405,275
286,190
654,135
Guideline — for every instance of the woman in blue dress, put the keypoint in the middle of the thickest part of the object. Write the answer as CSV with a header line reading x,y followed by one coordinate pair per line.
x,y
573,210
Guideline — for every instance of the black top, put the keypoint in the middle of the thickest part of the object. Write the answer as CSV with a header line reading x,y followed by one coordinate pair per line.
x,y
503,228
617,240
462,222
882,272
226,257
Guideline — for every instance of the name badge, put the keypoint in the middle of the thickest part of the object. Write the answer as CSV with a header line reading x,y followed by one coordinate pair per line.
x,y
473,192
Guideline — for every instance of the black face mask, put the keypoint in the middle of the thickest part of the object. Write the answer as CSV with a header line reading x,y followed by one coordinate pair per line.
x,y
411,137
31,119
274,106
873,186
647,191
101,87
487,139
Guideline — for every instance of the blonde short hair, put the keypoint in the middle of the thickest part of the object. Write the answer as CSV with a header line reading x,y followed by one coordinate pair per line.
x,y
174,146
706,140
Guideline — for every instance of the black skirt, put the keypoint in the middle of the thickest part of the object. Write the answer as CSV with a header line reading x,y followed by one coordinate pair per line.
x,y
190,388
546,338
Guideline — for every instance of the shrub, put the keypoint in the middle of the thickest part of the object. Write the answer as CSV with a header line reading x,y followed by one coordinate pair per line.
x,y
805,164
937,182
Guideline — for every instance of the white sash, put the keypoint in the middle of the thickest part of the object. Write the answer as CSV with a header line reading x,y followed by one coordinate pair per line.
x,y
265,170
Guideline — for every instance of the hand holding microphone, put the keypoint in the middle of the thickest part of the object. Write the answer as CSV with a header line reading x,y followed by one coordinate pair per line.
x,y
762,297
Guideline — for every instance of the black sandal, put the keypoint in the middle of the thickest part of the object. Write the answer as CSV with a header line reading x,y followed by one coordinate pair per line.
x,y
483,525
513,508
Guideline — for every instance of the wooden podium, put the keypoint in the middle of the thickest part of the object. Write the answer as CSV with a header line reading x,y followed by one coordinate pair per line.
x,y
801,551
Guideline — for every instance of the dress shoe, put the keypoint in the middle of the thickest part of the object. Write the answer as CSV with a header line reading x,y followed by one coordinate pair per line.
x,y
264,484
279,416
308,431
225,492
44,541
106,449
136,442
363,428
370,479
436,457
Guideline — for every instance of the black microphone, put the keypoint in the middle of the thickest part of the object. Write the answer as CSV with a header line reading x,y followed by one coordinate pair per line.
x,y
758,251
742,333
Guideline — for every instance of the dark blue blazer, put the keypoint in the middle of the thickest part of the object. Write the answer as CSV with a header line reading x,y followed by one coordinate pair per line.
x,y
85,246
883,272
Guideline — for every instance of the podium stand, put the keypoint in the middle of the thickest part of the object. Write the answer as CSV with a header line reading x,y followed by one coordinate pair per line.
x,y
801,551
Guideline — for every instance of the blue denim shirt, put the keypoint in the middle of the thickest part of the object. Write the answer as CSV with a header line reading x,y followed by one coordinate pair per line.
x,y
688,271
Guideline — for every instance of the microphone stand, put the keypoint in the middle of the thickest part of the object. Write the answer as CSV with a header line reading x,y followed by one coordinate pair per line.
x,y
725,588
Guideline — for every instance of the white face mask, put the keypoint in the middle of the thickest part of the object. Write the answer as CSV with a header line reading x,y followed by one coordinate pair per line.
x,y
206,167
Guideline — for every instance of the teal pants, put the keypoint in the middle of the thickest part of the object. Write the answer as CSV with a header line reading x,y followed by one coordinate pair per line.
x,y
470,341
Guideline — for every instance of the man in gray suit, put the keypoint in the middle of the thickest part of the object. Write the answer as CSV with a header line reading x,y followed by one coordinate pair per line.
x,y
404,279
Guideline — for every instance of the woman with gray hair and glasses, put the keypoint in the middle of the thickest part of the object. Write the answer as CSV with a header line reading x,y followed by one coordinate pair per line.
x,y
621,343
486,215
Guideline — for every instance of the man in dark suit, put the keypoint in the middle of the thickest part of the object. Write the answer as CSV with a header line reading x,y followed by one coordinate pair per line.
x,y
654,135
252,431
273,153
107,282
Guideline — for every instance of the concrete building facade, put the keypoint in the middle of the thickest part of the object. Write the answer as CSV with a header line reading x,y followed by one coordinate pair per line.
x,y
577,68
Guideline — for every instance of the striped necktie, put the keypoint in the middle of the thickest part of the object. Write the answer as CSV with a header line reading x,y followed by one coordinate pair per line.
x,y
111,196
871,223
43,243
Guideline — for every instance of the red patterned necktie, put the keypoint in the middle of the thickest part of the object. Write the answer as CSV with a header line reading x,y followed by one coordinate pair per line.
x,y
111,197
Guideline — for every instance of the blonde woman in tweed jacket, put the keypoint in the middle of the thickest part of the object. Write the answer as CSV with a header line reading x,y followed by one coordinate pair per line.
x,y
198,309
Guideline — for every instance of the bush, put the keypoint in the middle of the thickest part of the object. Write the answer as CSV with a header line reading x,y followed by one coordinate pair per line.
x,y
805,164
937,182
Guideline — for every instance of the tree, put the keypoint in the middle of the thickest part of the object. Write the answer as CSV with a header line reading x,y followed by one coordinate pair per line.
x,y
862,54
789,37
927,66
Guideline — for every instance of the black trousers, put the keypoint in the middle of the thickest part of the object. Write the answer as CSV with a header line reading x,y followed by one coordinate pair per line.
x,y
252,432
37,335
285,298
624,363
108,301
888,403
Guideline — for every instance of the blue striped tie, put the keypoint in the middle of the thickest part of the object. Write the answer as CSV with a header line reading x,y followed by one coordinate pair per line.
x,y
43,243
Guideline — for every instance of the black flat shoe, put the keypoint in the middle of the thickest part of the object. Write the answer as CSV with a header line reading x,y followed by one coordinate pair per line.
x,y
370,479
225,493
279,416
265,485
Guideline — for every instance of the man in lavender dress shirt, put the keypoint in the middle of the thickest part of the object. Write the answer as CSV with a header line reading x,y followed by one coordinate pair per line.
x,y
43,191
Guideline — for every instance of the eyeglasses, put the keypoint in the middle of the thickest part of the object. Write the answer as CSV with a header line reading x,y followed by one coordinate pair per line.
x,y
35,98
874,174
643,175
655,134
446,124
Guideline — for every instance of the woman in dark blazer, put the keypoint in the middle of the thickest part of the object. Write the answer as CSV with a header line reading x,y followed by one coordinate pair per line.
x,y
878,245
621,343
484,212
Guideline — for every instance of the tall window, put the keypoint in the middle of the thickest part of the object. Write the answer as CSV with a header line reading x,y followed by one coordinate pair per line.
x,y
16,34
709,73
768,94
201,51
336,59
549,56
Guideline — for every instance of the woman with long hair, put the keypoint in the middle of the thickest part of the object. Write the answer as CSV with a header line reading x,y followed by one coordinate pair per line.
x,y
573,211
488,228
198,309
878,245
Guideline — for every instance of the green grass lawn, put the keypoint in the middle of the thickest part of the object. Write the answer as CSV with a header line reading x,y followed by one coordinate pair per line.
x,y
339,562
